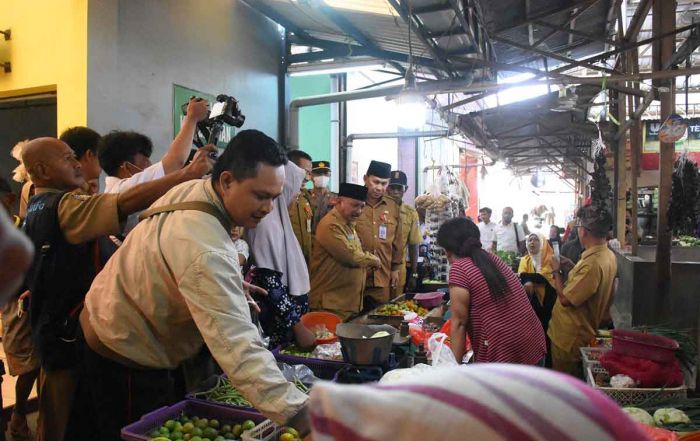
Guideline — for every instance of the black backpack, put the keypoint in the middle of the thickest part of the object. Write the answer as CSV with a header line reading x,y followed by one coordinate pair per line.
x,y
58,279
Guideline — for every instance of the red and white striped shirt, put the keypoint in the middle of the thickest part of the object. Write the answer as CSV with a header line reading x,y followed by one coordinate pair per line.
x,y
505,330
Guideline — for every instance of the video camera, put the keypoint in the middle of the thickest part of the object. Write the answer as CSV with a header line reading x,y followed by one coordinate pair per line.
x,y
224,111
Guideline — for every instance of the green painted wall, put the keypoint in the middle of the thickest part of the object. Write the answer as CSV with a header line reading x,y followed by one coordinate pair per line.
x,y
314,121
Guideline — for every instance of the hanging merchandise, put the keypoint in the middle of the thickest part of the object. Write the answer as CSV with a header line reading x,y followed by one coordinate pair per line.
x,y
601,191
685,201
447,199
673,129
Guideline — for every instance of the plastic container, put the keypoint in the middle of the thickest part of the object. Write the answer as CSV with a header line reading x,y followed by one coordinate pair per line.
x,y
324,369
632,396
327,319
139,430
265,431
643,345
357,346
429,300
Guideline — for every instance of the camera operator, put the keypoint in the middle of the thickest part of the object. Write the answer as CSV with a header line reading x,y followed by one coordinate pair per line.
x,y
125,156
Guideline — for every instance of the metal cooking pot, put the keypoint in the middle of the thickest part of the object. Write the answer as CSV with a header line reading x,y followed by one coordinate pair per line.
x,y
357,346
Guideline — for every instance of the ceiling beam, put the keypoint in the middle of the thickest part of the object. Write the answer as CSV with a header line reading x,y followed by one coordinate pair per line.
x,y
429,9
541,15
627,47
436,52
572,31
571,18
570,61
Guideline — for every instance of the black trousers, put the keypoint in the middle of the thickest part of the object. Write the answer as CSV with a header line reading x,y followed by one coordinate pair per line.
x,y
112,395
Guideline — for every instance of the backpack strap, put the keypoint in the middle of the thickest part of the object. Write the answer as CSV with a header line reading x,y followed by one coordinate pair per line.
x,y
202,206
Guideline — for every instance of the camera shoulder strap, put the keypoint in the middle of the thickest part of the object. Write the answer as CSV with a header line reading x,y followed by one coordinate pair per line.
x,y
202,206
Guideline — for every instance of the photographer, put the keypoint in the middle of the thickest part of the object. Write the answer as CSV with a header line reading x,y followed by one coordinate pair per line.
x,y
125,156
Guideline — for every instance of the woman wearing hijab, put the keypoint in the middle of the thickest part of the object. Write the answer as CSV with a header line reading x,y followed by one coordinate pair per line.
x,y
537,278
487,301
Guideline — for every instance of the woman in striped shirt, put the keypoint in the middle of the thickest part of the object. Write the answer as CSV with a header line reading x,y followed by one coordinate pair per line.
x,y
488,302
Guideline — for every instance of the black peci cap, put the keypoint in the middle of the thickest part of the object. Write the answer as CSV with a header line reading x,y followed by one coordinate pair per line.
x,y
398,178
320,166
353,191
379,169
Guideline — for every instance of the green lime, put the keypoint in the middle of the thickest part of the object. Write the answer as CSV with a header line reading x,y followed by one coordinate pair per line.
x,y
219,438
195,419
228,435
160,438
226,428
196,432
210,432
291,430
164,431
187,437
178,427
187,427
202,423
237,430
154,434
196,438
214,423
176,435
170,424
248,425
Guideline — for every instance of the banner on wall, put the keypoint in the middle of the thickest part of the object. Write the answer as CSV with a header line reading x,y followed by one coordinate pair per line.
x,y
181,95
650,142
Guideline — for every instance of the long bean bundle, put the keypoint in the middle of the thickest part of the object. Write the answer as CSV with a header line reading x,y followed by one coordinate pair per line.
x,y
224,392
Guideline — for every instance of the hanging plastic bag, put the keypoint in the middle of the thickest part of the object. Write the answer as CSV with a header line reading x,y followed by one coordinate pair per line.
x,y
441,353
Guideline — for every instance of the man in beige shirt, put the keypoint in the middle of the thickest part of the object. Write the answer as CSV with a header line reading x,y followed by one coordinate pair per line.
x,y
175,284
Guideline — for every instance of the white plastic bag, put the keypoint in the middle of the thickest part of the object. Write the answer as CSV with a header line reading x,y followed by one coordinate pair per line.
x,y
441,354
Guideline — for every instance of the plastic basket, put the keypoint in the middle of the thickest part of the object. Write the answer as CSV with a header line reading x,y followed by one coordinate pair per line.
x,y
591,355
139,430
324,369
633,396
265,431
318,318
643,345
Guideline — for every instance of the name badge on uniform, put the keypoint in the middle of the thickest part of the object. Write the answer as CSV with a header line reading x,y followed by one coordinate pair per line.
x,y
308,225
382,232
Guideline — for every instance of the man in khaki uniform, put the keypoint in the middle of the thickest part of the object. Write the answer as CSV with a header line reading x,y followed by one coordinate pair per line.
x,y
585,299
321,198
410,232
338,266
379,228
300,212
60,205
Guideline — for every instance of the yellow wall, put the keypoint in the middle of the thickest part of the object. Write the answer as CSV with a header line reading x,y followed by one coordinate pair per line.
x,y
48,51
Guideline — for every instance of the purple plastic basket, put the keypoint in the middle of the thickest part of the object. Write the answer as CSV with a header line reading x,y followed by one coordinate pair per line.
x,y
429,300
324,369
139,430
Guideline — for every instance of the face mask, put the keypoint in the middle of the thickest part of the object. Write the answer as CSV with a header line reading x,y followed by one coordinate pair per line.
x,y
321,181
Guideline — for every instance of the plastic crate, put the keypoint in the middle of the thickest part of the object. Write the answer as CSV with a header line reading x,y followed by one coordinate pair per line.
x,y
591,355
139,430
324,369
633,396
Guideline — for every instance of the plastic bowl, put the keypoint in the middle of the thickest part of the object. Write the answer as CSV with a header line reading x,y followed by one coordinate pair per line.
x,y
357,346
318,318
429,299
643,345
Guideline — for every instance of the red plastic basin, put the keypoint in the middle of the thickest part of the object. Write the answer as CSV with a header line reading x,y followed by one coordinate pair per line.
x,y
643,345
429,299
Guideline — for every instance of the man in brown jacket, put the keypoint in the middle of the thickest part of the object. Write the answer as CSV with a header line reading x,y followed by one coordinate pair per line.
x,y
338,264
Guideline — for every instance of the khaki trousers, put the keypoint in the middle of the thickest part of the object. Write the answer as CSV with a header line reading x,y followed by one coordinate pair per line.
x,y
379,295
56,394
568,362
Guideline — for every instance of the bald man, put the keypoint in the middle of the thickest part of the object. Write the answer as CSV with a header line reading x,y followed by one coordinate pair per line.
x,y
63,222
